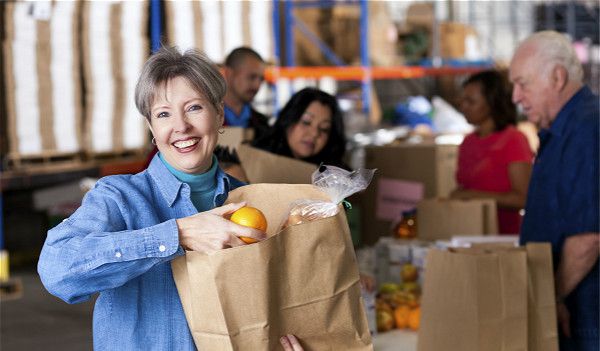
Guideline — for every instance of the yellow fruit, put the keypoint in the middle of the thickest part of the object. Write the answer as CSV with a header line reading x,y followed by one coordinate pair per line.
x,y
250,217
409,272
385,320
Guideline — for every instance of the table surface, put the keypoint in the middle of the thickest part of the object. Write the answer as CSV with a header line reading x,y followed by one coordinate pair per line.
x,y
394,340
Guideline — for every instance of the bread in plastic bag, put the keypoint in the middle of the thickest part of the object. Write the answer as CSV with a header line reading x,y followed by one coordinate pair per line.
x,y
338,183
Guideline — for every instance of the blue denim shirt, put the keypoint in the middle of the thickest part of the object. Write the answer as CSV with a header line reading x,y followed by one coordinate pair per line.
x,y
563,196
120,244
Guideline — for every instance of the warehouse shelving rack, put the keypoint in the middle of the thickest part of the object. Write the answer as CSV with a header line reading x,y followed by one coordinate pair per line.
x,y
365,73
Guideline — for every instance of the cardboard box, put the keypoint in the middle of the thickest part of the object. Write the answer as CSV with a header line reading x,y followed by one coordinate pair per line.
x,y
382,34
420,15
440,219
406,174
453,36
264,167
232,137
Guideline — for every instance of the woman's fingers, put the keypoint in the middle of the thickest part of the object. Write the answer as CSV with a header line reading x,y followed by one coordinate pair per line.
x,y
227,209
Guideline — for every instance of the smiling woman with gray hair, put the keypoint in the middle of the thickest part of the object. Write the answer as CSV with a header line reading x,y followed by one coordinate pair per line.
x,y
119,244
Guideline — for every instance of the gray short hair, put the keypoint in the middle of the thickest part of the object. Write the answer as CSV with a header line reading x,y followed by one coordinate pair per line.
x,y
168,63
555,47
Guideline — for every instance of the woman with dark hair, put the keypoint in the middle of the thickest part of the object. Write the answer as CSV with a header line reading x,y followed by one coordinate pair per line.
x,y
495,160
310,127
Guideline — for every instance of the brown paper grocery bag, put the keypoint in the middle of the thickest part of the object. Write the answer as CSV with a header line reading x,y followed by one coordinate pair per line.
x,y
492,298
264,167
474,300
443,218
543,332
303,281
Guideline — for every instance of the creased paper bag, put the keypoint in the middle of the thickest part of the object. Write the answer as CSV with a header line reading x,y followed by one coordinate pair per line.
x,y
303,281
488,299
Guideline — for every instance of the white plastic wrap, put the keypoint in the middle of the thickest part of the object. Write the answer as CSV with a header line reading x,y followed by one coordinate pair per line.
x,y
338,183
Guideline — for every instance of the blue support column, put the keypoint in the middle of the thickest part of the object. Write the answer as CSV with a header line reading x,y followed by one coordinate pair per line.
x,y
364,55
289,33
155,25
277,49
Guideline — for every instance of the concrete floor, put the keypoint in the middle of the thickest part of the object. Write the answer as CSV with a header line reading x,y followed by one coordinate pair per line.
x,y
40,321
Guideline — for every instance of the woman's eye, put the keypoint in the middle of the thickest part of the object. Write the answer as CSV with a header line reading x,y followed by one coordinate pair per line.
x,y
305,122
195,108
324,130
162,114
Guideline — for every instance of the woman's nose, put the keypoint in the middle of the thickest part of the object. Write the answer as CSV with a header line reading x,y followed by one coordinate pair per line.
x,y
181,123
313,131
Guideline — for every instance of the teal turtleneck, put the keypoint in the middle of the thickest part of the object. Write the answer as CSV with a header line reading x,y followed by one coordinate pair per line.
x,y
202,186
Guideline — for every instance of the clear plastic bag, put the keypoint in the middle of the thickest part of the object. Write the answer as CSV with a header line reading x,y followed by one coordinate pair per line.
x,y
338,183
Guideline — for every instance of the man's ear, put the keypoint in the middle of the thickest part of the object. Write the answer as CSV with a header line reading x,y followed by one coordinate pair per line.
x,y
227,72
560,77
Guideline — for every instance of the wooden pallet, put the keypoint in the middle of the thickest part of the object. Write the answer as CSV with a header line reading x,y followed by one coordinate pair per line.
x,y
40,162
102,157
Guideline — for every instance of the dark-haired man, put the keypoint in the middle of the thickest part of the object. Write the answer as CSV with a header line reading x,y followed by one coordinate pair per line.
x,y
244,73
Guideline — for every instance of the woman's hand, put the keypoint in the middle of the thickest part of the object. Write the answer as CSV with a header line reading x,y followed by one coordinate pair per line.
x,y
210,231
290,343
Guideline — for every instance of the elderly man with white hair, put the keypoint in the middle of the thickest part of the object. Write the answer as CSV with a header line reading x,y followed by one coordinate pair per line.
x,y
562,201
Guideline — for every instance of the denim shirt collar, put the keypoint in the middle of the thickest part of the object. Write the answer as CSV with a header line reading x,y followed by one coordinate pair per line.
x,y
170,186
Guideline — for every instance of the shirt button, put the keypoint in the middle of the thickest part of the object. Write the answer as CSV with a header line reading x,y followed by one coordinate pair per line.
x,y
162,248
117,254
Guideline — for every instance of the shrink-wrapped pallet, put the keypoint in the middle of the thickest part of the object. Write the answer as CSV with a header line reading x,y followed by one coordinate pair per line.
x,y
115,47
42,80
217,27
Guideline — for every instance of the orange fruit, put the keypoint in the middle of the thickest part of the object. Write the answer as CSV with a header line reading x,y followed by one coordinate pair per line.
x,y
401,314
250,217
414,318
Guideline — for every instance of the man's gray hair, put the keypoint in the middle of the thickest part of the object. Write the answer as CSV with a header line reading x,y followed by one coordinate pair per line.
x,y
168,63
554,47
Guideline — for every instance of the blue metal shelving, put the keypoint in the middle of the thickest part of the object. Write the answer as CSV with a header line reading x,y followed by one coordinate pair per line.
x,y
292,22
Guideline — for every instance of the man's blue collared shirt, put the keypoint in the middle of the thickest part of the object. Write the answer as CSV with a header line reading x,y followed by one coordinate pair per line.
x,y
120,243
563,195
233,120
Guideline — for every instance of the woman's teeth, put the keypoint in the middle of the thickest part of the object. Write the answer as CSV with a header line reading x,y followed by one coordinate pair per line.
x,y
185,143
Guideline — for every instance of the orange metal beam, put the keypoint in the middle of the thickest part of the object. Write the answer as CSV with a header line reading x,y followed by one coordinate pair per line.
x,y
359,73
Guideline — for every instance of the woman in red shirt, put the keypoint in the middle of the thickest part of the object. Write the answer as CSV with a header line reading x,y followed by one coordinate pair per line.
x,y
495,160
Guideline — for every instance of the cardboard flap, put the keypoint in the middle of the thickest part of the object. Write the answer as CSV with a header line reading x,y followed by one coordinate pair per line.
x,y
233,137
264,167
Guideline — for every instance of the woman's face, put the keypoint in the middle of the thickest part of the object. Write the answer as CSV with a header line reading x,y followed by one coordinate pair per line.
x,y
185,125
309,135
473,104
